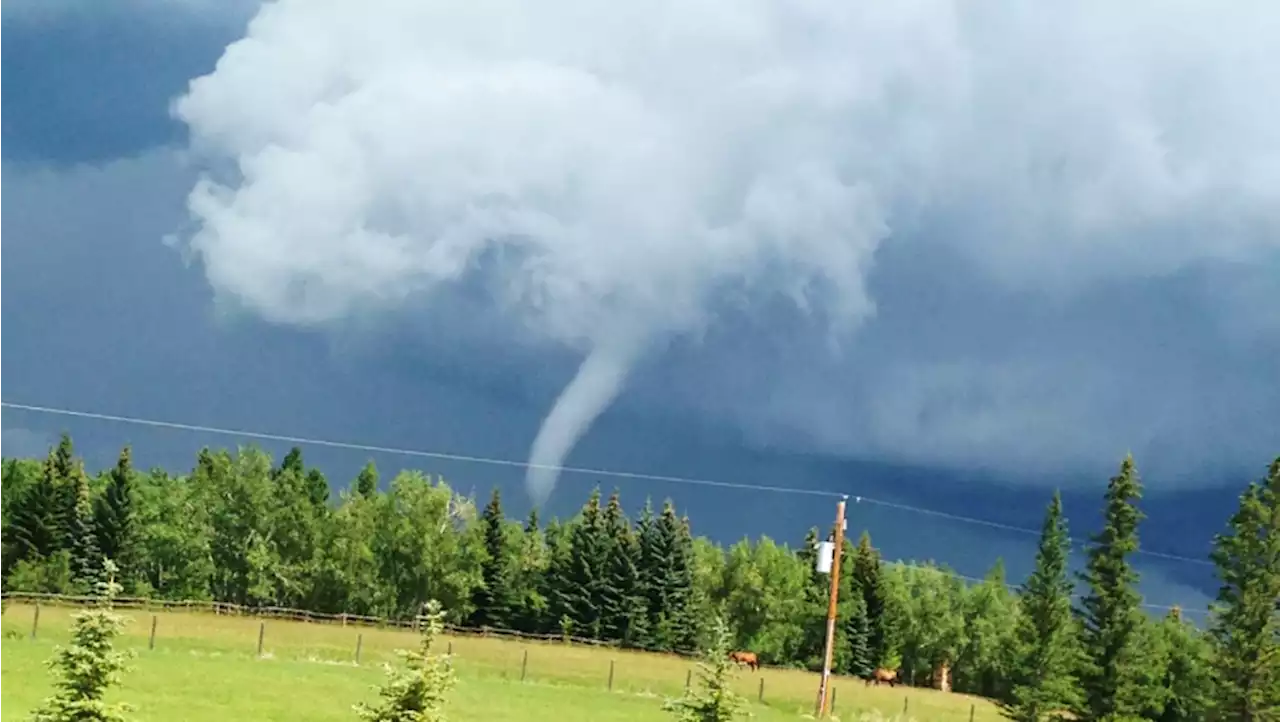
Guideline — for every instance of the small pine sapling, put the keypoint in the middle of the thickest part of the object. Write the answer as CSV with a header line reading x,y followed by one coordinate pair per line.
x,y
86,669
417,692
713,699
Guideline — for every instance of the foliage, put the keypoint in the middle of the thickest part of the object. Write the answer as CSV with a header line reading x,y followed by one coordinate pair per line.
x,y
85,670
1246,626
114,520
493,605
1047,653
713,700
1187,671
416,693
1110,611
868,582
239,528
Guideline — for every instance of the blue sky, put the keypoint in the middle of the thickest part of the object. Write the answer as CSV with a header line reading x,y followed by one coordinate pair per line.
x,y
1033,295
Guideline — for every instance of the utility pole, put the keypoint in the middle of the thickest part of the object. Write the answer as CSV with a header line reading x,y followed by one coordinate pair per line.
x,y
824,686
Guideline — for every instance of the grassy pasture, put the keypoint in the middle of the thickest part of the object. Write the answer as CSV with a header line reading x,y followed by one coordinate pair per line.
x,y
205,667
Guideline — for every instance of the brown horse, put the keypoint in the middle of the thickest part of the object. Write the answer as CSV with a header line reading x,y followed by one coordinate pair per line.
x,y
888,676
748,658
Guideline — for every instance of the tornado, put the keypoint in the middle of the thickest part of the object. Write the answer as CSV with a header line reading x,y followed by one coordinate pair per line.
x,y
592,389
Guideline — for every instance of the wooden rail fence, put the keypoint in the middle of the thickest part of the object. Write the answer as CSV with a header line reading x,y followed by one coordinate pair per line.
x,y
286,613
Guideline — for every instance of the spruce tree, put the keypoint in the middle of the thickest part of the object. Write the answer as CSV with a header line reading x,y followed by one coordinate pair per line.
x,y
857,633
90,666
586,569
557,584
367,480
86,556
649,566
1246,623
37,519
868,580
293,462
621,607
491,598
1047,652
418,692
1187,683
64,473
714,699
668,559
317,487
691,627
531,605
1111,613
114,517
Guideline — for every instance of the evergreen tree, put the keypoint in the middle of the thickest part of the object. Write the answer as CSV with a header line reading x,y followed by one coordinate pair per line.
x,y
714,700
90,666
869,582
622,605
1246,623
64,473
418,692
557,584
1047,652
816,594
667,559
292,462
86,569
367,481
583,579
317,487
649,577
690,629
37,519
1187,683
857,632
1110,611
531,604
114,517
492,597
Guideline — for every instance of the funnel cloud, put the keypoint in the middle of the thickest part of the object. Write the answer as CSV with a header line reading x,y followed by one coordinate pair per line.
x,y
596,384
612,174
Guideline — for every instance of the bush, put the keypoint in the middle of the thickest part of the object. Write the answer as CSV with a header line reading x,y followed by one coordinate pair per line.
x,y
713,700
86,669
416,693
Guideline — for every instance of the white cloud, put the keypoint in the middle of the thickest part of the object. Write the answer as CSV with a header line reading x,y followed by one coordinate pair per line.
x,y
621,170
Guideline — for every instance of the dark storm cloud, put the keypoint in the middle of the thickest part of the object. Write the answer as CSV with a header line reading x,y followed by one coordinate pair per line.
x,y
992,387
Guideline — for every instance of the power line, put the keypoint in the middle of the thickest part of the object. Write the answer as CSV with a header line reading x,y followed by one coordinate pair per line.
x,y
222,431
412,452
1073,541
1018,588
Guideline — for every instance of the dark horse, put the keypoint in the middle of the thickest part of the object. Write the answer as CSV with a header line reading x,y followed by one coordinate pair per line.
x,y
748,658
889,676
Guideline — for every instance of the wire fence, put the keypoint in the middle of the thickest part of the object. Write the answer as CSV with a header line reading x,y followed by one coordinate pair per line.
x,y
546,658
290,614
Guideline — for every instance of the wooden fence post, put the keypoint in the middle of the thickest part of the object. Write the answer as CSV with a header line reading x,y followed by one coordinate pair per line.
x,y
35,623
760,695
524,666
151,642
688,680
450,652
359,645
905,700
611,675
970,712
262,631
832,707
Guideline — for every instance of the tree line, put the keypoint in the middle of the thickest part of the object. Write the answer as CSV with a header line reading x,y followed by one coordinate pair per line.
x,y
239,528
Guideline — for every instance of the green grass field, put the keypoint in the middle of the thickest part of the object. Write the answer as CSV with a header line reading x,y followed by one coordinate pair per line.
x,y
205,667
